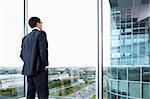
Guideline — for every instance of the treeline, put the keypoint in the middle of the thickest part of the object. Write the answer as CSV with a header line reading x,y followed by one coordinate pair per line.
x,y
59,83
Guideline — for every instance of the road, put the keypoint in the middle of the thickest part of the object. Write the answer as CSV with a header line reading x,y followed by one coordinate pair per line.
x,y
85,93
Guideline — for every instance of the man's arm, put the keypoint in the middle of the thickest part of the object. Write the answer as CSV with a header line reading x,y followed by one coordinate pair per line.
x,y
21,53
43,48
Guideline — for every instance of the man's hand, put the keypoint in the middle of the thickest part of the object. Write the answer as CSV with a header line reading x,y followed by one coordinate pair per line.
x,y
46,68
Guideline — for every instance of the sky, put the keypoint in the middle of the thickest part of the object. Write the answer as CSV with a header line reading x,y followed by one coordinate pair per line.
x,y
11,32
71,27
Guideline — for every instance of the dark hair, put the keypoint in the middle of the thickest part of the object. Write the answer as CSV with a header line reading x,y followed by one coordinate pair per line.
x,y
33,21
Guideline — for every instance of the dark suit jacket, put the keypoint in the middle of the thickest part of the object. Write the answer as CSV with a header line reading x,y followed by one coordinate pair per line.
x,y
34,52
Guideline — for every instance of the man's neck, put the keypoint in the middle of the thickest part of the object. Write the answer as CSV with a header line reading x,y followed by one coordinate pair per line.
x,y
37,28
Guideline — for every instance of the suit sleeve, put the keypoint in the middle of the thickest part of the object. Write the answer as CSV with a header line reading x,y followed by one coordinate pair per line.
x,y
43,48
21,53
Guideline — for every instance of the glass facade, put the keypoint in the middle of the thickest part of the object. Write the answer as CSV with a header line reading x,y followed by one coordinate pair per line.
x,y
128,73
11,33
71,29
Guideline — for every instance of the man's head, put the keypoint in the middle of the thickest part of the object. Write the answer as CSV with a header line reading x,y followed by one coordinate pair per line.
x,y
35,22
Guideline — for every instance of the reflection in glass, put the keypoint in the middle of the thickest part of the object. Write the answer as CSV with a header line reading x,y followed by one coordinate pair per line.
x,y
122,73
113,96
108,73
114,61
114,73
146,74
129,48
122,88
133,73
134,89
146,90
108,84
114,86
108,95
120,97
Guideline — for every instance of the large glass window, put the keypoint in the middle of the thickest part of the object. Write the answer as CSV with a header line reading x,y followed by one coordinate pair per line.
x,y
11,33
71,27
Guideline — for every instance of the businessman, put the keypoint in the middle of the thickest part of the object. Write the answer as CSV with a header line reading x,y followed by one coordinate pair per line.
x,y
34,53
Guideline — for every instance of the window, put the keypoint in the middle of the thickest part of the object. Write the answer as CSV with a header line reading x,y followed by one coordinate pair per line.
x,y
113,96
134,89
108,95
115,61
116,32
145,74
123,88
11,23
134,74
114,86
71,28
108,84
120,97
122,73
146,90
114,73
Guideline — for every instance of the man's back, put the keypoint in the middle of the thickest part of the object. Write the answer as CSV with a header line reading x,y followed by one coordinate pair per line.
x,y
31,52
34,53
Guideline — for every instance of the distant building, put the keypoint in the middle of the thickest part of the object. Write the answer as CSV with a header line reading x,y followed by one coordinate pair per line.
x,y
128,77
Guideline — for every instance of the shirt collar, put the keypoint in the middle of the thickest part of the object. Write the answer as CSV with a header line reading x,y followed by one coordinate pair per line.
x,y
36,28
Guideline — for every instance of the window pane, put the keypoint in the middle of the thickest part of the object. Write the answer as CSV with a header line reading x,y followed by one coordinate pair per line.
x,y
11,23
146,74
114,73
113,96
134,73
134,89
146,90
108,72
114,86
123,88
122,73
108,84
71,29
108,96
120,97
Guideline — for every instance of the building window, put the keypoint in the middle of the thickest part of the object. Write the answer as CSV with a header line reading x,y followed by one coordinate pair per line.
x,y
133,73
123,88
146,90
122,73
134,89
114,86
146,74
114,73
